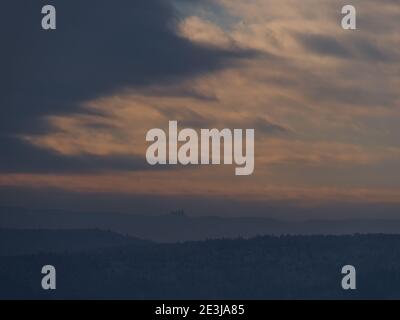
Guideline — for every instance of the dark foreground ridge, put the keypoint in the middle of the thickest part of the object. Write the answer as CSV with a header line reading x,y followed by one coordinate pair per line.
x,y
286,267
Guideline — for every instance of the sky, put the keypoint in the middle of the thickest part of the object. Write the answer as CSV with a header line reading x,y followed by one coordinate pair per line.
x,y
76,103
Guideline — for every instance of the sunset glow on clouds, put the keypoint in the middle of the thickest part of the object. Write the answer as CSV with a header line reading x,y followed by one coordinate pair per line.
x,y
324,102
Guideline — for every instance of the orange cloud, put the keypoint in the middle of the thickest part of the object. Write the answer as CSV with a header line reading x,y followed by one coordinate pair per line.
x,y
312,112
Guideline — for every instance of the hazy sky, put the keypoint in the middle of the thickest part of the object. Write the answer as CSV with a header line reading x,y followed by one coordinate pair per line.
x,y
76,103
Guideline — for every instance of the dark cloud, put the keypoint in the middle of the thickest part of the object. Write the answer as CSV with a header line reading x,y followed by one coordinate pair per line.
x,y
269,128
324,45
187,118
192,119
372,51
177,91
18,156
355,47
356,95
99,47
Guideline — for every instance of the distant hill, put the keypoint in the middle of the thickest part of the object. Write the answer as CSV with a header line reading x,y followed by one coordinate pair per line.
x,y
27,242
175,228
288,267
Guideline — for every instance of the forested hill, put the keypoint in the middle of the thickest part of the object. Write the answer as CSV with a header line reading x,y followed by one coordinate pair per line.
x,y
26,242
175,228
287,267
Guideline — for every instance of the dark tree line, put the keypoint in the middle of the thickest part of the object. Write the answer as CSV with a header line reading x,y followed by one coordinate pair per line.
x,y
287,267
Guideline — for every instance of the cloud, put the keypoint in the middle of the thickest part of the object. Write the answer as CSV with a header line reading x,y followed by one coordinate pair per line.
x,y
205,32
369,50
324,45
99,48
21,157
151,187
323,100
